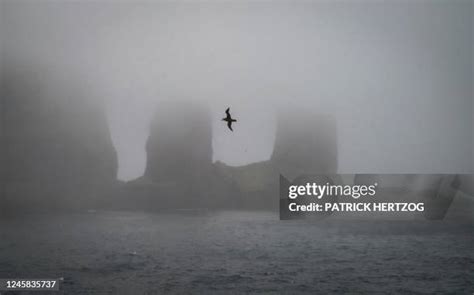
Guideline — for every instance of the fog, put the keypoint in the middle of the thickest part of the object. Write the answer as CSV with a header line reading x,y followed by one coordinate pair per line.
x,y
112,111
397,77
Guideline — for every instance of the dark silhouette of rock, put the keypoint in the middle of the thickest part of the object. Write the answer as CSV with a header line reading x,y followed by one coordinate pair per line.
x,y
254,186
179,150
180,172
306,143
57,148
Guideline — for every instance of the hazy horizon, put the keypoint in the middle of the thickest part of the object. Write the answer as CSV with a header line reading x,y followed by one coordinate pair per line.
x,y
397,77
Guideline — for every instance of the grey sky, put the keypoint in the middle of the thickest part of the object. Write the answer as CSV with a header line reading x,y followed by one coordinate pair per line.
x,y
396,75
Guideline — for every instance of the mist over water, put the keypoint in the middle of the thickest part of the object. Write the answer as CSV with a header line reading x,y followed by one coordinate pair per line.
x,y
396,76
111,122
241,252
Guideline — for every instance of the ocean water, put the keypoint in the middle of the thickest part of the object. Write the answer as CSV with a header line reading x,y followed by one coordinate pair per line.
x,y
235,252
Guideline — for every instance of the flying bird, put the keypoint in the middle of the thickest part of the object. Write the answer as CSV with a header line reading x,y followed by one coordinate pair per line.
x,y
229,119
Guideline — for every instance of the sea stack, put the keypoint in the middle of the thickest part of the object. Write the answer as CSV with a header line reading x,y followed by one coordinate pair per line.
x,y
179,150
306,143
57,149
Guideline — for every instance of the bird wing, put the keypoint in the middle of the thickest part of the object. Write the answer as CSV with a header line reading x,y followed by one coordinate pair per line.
x,y
227,112
229,124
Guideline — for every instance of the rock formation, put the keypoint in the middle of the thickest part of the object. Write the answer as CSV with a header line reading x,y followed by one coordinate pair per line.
x,y
57,149
306,143
254,186
180,172
179,150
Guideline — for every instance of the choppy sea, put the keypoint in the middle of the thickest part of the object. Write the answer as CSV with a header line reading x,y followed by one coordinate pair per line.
x,y
235,252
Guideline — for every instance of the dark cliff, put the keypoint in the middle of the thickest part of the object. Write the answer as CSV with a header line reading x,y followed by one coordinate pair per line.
x,y
57,148
305,143
179,150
